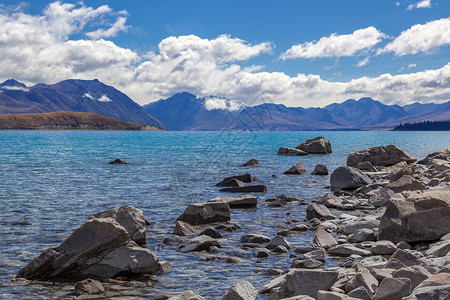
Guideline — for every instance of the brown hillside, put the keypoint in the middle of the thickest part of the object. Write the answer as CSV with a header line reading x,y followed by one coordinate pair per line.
x,y
66,120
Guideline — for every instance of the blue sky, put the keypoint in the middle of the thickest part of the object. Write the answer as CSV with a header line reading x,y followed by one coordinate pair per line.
x,y
393,51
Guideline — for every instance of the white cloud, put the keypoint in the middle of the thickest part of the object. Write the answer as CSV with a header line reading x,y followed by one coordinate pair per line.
x,y
410,66
110,32
420,4
363,62
104,98
420,38
337,45
212,103
33,51
15,88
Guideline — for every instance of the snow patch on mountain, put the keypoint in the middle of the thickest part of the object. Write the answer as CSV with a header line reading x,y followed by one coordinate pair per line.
x,y
212,103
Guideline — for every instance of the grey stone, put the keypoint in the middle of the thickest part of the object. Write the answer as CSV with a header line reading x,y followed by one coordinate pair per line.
x,y
348,178
439,249
320,169
365,279
393,289
416,274
255,238
380,156
241,290
439,292
308,263
246,189
251,163
184,229
291,151
247,178
212,232
383,248
244,201
205,213
296,169
361,235
323,239
405,183
173,240
347,250
279,241
261,252
200,243
315,254
316,145
360,293
187,295
318,211
89,287
443,154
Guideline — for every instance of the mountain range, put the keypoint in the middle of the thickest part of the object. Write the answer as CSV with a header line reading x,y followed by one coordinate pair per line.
x,y
184,111
72,95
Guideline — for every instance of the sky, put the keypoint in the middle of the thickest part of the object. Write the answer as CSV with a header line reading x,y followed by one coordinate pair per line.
x,y
297,53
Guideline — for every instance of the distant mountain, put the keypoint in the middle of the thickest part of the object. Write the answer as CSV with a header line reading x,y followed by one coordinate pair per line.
x,y
63,120
366,112
72,95
185,111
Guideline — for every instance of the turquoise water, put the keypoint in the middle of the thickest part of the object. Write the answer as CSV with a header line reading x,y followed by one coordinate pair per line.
x,y
52,181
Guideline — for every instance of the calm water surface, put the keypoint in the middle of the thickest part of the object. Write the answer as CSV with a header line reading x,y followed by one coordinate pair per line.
x,y
52,181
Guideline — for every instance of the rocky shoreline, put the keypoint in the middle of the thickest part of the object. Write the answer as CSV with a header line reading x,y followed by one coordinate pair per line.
x,y
395,247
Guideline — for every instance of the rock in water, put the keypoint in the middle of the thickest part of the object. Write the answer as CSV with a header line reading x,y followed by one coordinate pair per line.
x,y
320,170
247,178
242,290
99,248
423,216
89,287
300,282
291,151
117,161
200,243
183,229
246,189
245,201
131,218
251,163
296,169
443,154
316,145
188,295
380,156
205,213
348,178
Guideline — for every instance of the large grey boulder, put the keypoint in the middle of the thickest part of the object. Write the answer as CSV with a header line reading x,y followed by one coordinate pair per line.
x,y
380,156
255,239
199,243
393,289
420,216
300,282
347,250
443,154
318,211
416,274
131,218
316,145
89,287
187,295
244,201
183,229
291,151
438,292
320,169
205,213
405,183
323,239
99,248
241,290
296,169
348,178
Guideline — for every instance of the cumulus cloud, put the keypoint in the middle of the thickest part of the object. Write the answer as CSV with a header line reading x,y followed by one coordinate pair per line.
x,y
363,62
420,38
212,103
337,45
33,51
420,4
110,32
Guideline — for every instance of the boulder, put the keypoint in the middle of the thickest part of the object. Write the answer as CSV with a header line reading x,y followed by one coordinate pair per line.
x,y
131,218
245,201
360,293
99,248
300,282
393,289
255,238
330,200
367,222
318,254
323,239
205,213
366,166
422,216
296,169
173,240
89,287
437,279
405,183
402,258
308,263
118,161
291,151
316,145
329,295
320,170
443,154
438,292
246,189
348,178
347,250
280,249
261,252
416,274
318,211
199,243
251,163
211,232
383,248
380,156
439,249
247,178
183,229
365,279
279,241
241,290
361,235
188,295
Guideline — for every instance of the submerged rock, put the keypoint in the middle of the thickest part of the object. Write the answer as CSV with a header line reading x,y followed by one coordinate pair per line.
x,y
117,161
316,145
183,229
247,178
251,163
89,287
380,156
296,169
200,243
245,201
246,189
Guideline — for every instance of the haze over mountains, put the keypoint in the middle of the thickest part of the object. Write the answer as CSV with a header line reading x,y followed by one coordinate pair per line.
x,y
72,95
184,111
